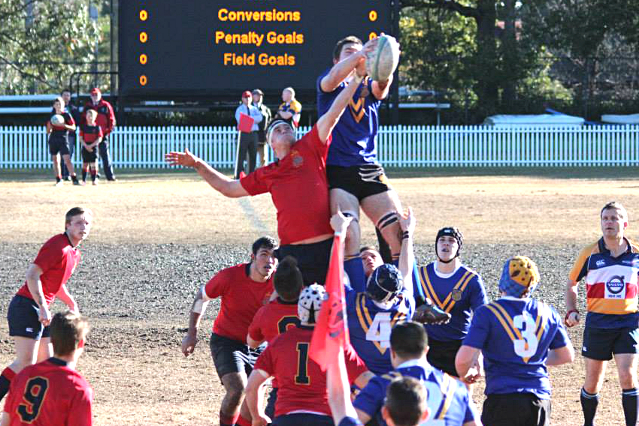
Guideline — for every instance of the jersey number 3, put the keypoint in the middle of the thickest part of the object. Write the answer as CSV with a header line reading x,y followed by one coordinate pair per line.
x,y
33,398
380,329
527,345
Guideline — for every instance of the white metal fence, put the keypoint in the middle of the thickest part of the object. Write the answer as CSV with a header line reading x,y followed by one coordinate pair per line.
x,y
398,146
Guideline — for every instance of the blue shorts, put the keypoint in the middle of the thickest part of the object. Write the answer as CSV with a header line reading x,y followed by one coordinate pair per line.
x,y
601,343
23,319
303,419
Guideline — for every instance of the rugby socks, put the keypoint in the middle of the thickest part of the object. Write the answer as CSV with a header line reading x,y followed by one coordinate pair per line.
x,y
384,248
5,381
589,404
94,174
242,421
226,420
354,268
629,402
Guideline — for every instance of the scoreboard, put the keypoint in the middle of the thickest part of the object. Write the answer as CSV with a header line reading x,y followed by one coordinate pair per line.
x,y
222,47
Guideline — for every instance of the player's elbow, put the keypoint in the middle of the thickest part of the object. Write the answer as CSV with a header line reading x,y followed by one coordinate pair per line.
x,y
252,343
561,356
464,360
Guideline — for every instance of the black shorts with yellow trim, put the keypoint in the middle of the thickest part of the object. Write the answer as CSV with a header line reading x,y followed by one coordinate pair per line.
x,y
231,356
601,343
360,181
442,354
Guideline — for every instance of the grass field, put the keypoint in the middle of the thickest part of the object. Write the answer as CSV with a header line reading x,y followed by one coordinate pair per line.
x,y
158,236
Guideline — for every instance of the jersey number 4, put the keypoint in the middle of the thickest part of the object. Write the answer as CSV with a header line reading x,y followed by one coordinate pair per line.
x,y
33,398
380,329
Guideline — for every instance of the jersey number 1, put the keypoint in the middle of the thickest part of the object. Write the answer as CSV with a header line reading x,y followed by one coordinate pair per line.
x,y
33,397
301,378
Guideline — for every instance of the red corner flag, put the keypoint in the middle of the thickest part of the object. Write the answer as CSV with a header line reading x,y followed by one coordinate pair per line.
x,y
331,331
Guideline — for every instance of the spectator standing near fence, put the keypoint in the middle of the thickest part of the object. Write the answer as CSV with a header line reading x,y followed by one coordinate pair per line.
x,y
248,140
258,99
290,110
74,111
58,142
106,121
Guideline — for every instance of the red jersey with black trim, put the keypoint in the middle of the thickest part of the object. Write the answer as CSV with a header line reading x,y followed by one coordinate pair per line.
x,y
299,189
273,319
58,259
61,130
302,384
90,133
49,394
105,118
241,299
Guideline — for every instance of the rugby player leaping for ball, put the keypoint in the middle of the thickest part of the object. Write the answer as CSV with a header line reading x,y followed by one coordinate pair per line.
x,y
297,184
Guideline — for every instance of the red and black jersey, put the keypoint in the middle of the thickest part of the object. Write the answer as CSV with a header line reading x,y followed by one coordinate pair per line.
x,y
61,130
273,319
90,133
49,394
105,118
302,384
58,259
241,298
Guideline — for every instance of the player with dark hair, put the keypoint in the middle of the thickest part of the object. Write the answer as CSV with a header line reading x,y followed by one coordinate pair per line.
x,y
91,135
449,401
52,393
404,402
455,289
519,337
610,268
354,175
297,184
244,288
29,314
302,397
58,141
279,315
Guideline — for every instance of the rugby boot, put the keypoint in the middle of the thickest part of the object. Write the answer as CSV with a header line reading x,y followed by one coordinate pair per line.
x,y
429,313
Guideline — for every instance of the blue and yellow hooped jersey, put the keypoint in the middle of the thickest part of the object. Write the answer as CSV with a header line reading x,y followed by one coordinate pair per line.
x,y
354,137
448,399
370,327
459,294
515,336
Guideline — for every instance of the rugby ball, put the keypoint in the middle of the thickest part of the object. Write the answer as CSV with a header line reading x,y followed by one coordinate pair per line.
x,y
57,120
382,61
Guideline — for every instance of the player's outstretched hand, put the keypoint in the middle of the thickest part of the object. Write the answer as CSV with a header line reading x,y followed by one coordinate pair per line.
x,y
472,376
261,420
186,158
407,221
44,315
188,344
572,318
339,222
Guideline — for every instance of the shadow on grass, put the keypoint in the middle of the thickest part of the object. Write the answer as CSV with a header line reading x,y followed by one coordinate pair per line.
x,y
600,173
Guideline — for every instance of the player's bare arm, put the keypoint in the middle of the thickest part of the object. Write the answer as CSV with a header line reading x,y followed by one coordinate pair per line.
x,y
407,225
66,298
197,310
572,314
327,122
382,88
467,357
345,67
35,287
561,356
221,183
252,342
255,397
339,390
69,126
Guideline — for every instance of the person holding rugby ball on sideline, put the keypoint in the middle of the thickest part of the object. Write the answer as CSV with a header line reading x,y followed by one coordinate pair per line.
x,y
29,314
297,184
58,140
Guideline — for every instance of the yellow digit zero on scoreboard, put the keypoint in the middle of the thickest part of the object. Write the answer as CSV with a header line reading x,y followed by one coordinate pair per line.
x,y
143,80
372,15
143,37
143,59
143,15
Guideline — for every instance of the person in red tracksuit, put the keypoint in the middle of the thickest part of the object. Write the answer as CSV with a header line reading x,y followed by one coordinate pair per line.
x,y
106,121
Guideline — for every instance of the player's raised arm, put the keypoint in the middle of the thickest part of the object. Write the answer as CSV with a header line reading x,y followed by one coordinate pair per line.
x,y
221,183
327,122
345,67
338,388
197,310
407,255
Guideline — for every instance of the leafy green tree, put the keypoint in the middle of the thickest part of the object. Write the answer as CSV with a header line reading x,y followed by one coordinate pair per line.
x,y
42,42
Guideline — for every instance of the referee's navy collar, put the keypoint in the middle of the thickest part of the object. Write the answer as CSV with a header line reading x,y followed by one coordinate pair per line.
x,y
604,250
58,361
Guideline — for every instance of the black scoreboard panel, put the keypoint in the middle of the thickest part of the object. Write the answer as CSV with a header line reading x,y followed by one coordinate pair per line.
x,y
221,47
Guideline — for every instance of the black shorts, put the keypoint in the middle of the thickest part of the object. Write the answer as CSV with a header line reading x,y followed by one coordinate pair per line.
x,y
303,419
515,409
231,356
89,157
58,144
312,259
442,355
602,343
360,181
23,319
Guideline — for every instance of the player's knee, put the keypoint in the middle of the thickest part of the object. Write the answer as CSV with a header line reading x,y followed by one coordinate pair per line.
x,y
627,379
